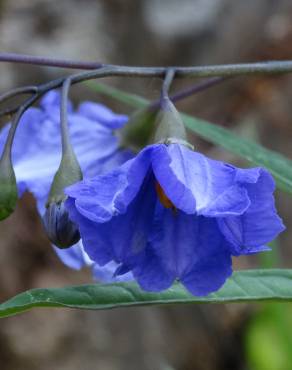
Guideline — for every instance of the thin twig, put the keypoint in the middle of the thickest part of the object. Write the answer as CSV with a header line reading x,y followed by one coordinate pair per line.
x,y
169,76
49,62
198,87
38,90
64,116
9,111
11,94
18,91
184,93
8,144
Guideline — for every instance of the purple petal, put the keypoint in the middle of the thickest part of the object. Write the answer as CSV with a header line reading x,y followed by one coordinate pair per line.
x,y
50,105
213,264
252,250
36,162
121,237
105,196
94,244
102,114
74,257
92,143
187,247
197,184
260,223
105,165
106,273
150,273
209,274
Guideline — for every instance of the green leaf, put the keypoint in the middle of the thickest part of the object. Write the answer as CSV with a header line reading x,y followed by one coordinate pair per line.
x,y
243,286
277,164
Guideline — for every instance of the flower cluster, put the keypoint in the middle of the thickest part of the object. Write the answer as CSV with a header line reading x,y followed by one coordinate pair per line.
x,y
36,154
169,213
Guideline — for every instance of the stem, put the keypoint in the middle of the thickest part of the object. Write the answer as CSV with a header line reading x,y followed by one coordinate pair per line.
x,y
224,70
199,87
184,93
169,76
49,62
192,90
17,91
11,134
39,91
69,170
66,145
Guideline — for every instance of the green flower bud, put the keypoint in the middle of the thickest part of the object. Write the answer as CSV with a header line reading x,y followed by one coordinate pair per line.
x,y
68,173
8,188
139,130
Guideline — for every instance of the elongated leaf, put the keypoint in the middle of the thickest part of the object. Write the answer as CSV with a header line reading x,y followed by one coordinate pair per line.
x,y
277,164
243,286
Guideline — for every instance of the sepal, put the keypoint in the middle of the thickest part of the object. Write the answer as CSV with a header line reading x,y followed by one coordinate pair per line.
x,y
68,173
169,125
8,188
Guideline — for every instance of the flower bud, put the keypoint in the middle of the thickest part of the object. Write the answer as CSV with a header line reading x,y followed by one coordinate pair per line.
x,y
8,188
68,173
139,129
60,229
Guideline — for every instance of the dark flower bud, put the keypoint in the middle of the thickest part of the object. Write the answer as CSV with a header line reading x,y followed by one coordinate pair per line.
x,y
60,229
8,188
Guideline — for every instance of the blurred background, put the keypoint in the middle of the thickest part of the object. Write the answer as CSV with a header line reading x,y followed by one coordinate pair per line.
x,y
150,32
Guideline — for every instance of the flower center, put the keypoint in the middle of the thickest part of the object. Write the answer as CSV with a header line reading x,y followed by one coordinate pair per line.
x,y
164,200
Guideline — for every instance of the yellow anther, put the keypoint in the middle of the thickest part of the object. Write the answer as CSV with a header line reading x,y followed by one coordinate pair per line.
x,y
164,200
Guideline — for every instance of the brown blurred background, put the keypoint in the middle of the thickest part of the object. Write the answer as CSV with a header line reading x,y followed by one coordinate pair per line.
x,y
142,32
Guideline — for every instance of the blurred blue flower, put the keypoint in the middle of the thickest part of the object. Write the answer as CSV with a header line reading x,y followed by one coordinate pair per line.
x,y
172,213
37,152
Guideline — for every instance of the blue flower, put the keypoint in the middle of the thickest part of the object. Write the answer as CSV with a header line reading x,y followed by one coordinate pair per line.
x,y
37,151
173,214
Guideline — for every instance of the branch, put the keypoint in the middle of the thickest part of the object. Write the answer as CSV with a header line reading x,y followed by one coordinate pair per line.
x,y
196,88
182,94
20,110
17,91
270,67
218,71
49,62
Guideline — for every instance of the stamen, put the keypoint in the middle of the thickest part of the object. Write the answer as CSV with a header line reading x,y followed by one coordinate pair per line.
x,y
164,200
